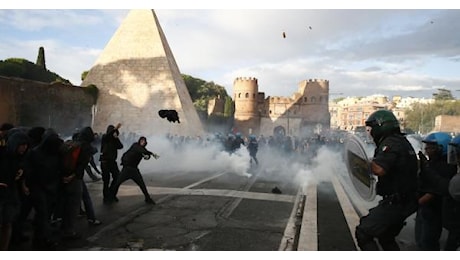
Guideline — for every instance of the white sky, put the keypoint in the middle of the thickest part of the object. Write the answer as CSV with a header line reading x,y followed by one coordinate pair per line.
x,y
362,49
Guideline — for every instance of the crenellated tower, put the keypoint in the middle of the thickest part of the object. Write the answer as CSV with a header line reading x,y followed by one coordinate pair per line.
x,y
245,96
315,100
305,112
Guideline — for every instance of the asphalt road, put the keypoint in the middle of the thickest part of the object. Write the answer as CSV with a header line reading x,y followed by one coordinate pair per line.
x,y
226,211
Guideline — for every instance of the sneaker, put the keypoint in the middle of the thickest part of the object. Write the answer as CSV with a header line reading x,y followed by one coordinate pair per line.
x,y
94,222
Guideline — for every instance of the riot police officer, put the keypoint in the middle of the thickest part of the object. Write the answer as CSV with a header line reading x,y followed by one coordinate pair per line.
x,y
428,222
395,165
449,188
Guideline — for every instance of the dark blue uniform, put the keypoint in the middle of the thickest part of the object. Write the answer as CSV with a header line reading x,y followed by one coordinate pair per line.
x,y
398,189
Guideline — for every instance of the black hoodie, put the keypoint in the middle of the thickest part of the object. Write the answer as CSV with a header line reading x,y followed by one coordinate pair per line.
x,y
43,161
84,137
11,162
134,155
110,145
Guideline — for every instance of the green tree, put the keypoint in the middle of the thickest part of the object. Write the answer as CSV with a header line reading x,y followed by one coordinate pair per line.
x,y
443,94
41,58
229,108
22,68
84,74
421,117
201,92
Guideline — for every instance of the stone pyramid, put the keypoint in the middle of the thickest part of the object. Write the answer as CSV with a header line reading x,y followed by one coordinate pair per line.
x,y
137,76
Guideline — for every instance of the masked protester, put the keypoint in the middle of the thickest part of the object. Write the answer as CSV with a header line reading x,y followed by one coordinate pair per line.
x,y
110,144
11,180
395,165
130,162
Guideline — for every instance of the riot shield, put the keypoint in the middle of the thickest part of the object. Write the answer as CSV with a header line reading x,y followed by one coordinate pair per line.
x,y
416,142
359,170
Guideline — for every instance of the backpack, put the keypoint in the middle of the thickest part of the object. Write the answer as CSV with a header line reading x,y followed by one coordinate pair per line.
x,y
70,154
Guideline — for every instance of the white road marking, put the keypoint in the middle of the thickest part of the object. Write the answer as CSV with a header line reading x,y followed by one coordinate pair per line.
x,y
128,190
287,242
134,190
308,238
349,212
204,180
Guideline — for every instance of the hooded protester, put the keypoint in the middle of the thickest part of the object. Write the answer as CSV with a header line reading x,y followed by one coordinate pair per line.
x,y
110,144
11,178
71,184
35,135
130,162
42,180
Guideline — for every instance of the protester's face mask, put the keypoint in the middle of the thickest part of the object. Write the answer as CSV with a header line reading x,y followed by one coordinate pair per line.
x,y
453,152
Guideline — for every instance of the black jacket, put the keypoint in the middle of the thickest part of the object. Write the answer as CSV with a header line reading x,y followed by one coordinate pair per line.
x,y
85,137
450,207
43,162
396,155
10,163
110,145
134,155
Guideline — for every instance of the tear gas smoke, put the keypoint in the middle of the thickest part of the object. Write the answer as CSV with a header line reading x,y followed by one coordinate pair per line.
x,y
208,156
189,157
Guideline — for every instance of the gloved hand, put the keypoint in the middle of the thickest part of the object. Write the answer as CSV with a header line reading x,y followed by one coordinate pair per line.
x,y
156,156
146,156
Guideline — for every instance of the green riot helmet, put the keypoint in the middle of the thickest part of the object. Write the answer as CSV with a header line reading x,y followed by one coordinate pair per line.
x,y
453,151
382,123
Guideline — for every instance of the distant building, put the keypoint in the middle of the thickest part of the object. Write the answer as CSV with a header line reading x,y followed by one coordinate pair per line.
x,y
450,124
351,113
305,112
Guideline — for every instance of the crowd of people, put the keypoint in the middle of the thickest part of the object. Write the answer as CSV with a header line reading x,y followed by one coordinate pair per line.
x,y
35,177
42,177
425,184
